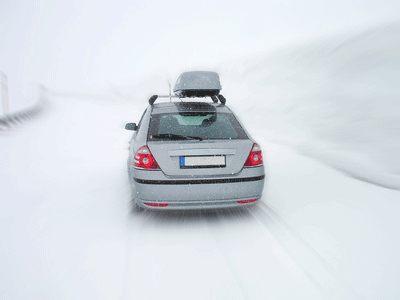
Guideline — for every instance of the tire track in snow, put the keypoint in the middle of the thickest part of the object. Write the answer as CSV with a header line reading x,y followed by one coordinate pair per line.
x,y
136,222
218,242
316,268
145,227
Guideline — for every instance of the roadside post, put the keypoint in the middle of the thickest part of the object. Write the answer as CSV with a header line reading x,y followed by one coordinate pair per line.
x,y
4,93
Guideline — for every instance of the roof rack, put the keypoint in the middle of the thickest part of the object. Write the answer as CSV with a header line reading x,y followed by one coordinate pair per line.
x,y
214,98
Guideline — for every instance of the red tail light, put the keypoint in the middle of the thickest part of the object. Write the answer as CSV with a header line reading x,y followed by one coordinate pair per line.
x,y
247,201
255,157
157,204
144,159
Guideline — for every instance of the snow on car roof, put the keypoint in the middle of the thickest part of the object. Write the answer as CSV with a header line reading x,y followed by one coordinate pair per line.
x,y
170,107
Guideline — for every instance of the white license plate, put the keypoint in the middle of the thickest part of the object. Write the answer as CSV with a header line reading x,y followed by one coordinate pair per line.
x,y
213,161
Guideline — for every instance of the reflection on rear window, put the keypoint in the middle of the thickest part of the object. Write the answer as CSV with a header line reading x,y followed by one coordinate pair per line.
x,y
204,125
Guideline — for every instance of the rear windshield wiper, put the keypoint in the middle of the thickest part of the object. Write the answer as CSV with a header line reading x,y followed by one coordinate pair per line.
x,y
172,136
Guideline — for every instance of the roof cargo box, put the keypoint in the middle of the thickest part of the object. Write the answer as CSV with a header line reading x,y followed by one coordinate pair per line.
x,y
197,84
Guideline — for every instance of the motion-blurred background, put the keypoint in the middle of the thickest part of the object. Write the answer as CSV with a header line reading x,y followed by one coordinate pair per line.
x,y
93,46
321,77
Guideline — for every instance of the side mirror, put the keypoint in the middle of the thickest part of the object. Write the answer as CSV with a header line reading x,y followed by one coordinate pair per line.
x,y
131,126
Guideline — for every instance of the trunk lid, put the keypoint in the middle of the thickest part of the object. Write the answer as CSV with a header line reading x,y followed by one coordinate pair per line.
x,y
203,158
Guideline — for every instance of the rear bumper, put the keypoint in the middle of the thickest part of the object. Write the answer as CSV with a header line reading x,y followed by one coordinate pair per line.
x,y
153,187
195,204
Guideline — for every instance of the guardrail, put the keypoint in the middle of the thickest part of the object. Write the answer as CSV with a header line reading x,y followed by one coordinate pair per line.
x,y
13,119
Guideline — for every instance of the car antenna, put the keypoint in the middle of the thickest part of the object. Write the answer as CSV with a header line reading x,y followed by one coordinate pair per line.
x,y
170,96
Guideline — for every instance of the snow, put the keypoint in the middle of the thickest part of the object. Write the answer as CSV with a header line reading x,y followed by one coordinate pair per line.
x,y
334,99
69,230
67,227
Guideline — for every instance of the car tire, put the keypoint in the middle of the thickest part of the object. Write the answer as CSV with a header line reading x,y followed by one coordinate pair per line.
x,y
136,207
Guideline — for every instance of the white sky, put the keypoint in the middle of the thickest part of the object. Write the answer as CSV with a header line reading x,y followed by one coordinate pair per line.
x,y
78,45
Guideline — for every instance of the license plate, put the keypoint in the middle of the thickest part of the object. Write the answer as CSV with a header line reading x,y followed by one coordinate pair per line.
x,y
205,161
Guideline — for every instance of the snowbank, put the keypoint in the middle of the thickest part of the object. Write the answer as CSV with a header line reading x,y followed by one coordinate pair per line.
x,y
336,100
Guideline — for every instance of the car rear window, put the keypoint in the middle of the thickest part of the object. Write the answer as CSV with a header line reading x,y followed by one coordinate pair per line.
x,y
201,125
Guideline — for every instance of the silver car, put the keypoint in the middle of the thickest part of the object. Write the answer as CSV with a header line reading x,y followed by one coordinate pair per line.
x,y
193,155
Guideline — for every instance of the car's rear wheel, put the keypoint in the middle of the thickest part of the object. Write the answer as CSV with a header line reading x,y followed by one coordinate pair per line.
x,y
136,207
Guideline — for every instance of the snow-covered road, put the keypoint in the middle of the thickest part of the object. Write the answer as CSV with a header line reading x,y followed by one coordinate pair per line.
x,y
68,231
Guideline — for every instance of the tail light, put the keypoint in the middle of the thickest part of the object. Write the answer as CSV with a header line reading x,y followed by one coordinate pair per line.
x,y
157,204
144,159
255,157
247,201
